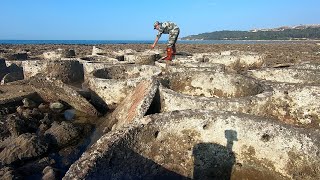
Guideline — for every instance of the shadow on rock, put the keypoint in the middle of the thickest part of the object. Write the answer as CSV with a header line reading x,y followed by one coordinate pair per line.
x,y
214,161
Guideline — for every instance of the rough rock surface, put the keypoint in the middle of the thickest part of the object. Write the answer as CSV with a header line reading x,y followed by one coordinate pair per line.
x,y
135,105
49,173
263,144
53,55
10,77
112,85
15,93
62,134
68,71
8,173
52,91
3,68
202,144
297,76
16,125
17,56
24,147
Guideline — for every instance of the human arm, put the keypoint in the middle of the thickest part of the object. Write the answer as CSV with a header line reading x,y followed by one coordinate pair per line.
x,y
160,29
155,42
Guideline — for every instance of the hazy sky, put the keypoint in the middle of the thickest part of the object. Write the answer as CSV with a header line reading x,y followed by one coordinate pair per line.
x,y
133,19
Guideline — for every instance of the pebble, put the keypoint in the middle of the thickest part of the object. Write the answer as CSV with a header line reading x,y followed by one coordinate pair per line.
x,y
56,106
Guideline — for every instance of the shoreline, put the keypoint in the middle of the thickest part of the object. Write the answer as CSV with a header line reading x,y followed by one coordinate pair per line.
x,y
311,40
275,52
133,42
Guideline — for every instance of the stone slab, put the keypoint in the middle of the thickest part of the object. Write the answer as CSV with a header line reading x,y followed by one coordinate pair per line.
x,y
14,93
136,104
54,90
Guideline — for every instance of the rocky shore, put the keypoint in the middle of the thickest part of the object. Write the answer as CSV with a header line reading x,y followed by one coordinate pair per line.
x,y
276,53
65,107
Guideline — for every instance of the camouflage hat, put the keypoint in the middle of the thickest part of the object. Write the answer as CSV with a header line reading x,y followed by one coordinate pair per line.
x,y
155,24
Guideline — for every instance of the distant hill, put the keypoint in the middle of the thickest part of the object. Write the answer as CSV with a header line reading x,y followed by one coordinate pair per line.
x,y
301,32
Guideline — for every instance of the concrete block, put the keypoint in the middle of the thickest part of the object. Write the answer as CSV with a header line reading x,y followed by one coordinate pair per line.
x,y
136,104
197,144
55,90
286,75
112,84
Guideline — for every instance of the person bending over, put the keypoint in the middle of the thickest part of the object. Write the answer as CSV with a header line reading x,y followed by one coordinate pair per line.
x,y
173,30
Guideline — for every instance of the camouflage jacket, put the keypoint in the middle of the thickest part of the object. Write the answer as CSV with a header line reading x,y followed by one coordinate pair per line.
x,y
166,28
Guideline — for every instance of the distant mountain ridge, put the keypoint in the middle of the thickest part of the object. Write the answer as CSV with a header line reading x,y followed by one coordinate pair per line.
x,y
282,28
300,32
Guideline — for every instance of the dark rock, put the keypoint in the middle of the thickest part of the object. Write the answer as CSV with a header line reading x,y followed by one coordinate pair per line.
x,y
36,113
50,173
4,130
46,119
24,123
11,77
28,103
32,125
3,51
53,91
70,53
25,147
8,173
18,56
35,167
14,68
62,134
44,107
3,68
6,110
20,109
120,58
15,125
26,114
42,129
68,156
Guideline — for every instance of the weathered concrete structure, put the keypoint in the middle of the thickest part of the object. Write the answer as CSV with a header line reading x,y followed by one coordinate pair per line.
x,y
212,84
55,90
202,145
307,65
291,75
59,53
143,58
89,67
112,84
68,71
53,55
186,65
10,94
135,105
220,115
236,60
33,67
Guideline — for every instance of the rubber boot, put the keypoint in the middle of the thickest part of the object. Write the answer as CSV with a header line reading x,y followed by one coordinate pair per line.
x,y
169,54
174,49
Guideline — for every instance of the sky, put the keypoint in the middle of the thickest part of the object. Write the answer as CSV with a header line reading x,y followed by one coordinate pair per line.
x,y
133,19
